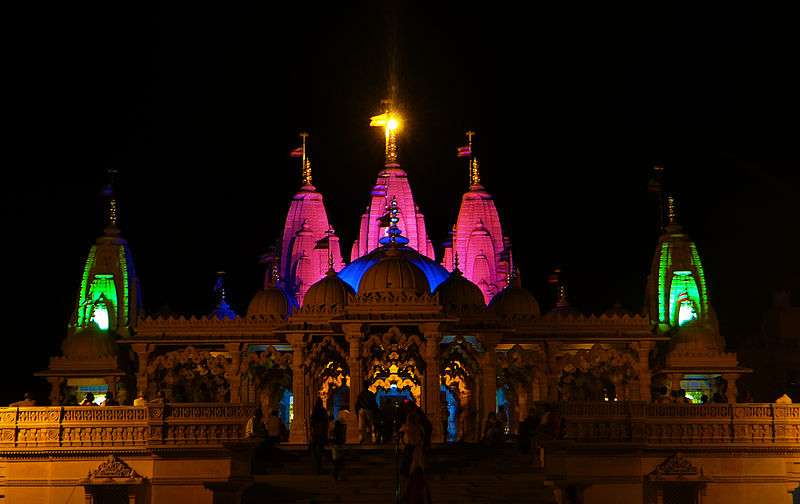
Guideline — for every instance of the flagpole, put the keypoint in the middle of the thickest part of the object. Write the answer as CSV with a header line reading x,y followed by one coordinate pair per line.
x,y
470,134
303,136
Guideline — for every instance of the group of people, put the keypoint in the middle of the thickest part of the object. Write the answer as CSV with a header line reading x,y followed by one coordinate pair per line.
x,y
377,423
664,396
88,400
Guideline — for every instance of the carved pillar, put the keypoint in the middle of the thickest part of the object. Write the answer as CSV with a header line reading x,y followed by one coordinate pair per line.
x,y
56,390
432,396
645,376
298,431
352,333
731,391
675,381
233,373
142,354
553,372
489,376
111,382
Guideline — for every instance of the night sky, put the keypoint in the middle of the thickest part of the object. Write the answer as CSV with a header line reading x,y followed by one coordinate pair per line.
x,y
198,108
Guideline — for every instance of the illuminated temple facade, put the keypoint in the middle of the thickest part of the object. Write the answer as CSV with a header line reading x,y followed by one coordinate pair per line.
x,y
460,336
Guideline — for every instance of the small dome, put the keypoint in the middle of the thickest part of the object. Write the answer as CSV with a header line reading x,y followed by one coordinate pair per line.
x,y
88,343
393,273
457,293
271,302
515,301
331,292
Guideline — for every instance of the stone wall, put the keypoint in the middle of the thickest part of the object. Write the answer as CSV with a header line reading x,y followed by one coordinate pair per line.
x,y
636,452
159,452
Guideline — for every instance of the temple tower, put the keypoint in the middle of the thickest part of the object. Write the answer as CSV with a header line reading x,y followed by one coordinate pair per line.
x,y
484,254
106,309
695,359
392,183
308,237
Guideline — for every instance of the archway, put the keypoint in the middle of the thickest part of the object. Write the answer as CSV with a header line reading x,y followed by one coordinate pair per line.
x,y
189,375
328,375
459,371
517,387
598,374
269,376
394,372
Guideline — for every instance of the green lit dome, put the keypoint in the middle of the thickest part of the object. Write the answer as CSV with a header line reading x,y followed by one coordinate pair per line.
x,y
394,274
329,293
88,343
459,294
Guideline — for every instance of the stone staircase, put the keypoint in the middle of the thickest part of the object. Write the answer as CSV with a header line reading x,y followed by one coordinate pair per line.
x,y
455,474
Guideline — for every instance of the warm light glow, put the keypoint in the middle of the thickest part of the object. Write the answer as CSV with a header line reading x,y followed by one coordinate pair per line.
x,y
392,124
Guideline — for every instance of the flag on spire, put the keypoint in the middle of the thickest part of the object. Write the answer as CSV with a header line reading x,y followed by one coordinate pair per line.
x,y
296,153
465,151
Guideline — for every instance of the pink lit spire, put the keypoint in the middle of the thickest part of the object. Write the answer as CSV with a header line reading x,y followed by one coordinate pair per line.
x,y
477,238
392,185
308,238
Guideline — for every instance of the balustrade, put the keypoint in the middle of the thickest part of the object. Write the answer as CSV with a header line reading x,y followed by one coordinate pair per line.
x,y
156,424
680,424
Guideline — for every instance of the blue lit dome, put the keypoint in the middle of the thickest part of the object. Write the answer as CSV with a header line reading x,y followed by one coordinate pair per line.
x,y
433,274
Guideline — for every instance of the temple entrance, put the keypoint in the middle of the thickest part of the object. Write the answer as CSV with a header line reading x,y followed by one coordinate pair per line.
x,y
460,368
393,374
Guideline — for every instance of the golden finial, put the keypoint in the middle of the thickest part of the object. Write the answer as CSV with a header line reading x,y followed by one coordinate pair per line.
x,y
306,164
108,192
474,173
307,171
390,121
672,214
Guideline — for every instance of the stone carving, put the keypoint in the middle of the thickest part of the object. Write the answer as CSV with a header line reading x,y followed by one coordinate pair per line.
x,y
189,375
113,467
675,467
601,373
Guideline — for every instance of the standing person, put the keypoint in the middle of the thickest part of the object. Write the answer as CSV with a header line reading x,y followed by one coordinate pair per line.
x,y
365,412
413,466
274,426
491,429
88,400
338,436
27,400
319,433
110,401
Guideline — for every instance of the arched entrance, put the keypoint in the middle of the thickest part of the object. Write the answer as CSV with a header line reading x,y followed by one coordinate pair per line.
x,y
599,374
459,371
394,372
517,386
328,376
268,375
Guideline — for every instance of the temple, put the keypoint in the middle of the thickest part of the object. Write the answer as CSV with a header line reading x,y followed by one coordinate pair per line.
x,y
647,398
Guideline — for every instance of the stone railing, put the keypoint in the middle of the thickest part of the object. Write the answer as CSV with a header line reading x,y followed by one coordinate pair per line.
x,y
681,424
153,425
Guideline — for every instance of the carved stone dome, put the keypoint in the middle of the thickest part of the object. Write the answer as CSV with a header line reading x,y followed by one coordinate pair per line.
x,y
89,343
394,274
458,294
329,293
515,301
271,302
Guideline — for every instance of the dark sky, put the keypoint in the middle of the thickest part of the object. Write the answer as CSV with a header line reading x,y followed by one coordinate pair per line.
x,y
198,107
